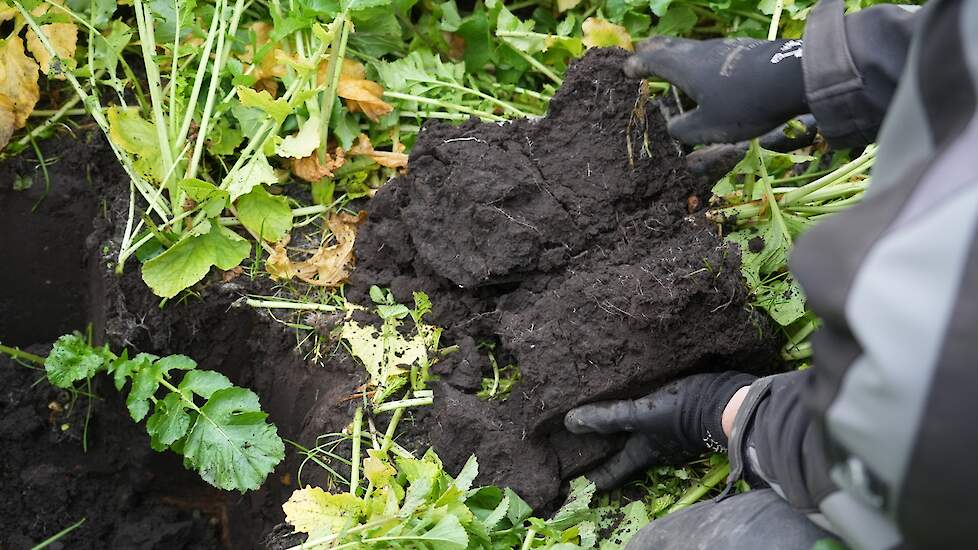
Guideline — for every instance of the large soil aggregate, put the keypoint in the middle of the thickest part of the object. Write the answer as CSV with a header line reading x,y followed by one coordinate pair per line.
x,y
589,267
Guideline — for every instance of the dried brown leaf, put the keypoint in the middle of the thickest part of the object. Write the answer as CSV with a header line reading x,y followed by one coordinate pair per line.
x,y
390,159
310,169
364,96
331,264
278,264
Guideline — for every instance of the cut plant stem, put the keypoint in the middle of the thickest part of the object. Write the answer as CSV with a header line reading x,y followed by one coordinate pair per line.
x,y
716,474
403,404
355,461
20,354
282,304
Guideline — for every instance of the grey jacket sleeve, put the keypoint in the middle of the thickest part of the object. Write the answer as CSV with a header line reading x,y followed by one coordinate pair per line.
x,y
852,65
876,439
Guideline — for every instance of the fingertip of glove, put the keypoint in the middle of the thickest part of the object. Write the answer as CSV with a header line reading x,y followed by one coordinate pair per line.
x,y
574,422
634,67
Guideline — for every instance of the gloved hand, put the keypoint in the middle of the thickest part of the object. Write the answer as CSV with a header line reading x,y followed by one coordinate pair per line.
x,y
672,424
743,87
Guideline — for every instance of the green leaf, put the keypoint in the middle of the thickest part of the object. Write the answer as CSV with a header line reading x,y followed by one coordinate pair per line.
x,y
659,7
304,142
169,422
677,21
627,521
576,506
478,48
356,5
447,534
265,214
203,383
211,200
186,262
518,510
136,136
72,359
109,46
230,444
124,368
463,481
277,108
256,171
146,381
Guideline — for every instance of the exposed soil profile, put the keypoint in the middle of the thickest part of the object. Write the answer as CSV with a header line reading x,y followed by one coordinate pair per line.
x,y
581,263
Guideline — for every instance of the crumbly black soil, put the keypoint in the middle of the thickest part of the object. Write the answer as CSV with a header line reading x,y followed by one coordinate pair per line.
x,y
580,262
581,259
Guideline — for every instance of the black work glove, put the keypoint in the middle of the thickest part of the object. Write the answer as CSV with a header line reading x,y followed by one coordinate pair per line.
x,y
743,87
670,425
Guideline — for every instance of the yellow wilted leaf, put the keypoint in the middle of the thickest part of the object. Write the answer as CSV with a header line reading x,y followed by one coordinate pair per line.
x,y
390,159
6,120
564,5
271,65
18,82
377,470
331,265
599,33
316,512
278,264
63,38
7,12
310,169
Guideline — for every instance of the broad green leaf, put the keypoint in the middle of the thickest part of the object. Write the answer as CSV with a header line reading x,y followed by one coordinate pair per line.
x,y
137,136
357,5
109,46
304,142
186,262
277,108
678,20
447,534
659,7
316,512
265,214
169,422
230,444
223,138
256,171
211,200
499,513
203,383
72,359
478,45
146,381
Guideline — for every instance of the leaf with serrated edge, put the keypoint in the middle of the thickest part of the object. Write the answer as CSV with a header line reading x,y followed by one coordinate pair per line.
x,y
72,359
168,423
230,444
257,171
146,380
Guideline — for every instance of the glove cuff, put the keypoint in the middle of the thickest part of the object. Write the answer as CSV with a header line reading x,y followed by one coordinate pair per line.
x,y
702,411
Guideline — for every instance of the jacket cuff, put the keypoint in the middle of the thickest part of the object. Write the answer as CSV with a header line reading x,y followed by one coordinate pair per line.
x,y
834,86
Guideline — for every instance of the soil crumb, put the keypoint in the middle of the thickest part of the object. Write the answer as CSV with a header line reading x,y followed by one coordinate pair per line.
x,y
567,241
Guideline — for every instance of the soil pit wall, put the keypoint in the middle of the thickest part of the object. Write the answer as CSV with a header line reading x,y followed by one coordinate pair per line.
x,y
586,264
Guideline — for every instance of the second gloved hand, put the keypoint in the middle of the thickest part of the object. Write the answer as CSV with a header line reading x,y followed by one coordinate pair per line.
x,y
742,87
670,425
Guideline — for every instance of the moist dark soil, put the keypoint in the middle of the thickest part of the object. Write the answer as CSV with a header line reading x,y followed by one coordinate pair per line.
x,y
572,250
577,257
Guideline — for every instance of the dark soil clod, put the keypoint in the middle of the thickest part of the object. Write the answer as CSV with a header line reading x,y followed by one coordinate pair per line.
x,y
582,262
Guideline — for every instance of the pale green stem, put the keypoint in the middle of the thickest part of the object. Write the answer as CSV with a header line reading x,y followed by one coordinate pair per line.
x,y
699,490
772,31
209,102
444,105
188,117
856,166
280,304
402,404
543,69
174,57
355,460
337,53
772,201
18,354
144,24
